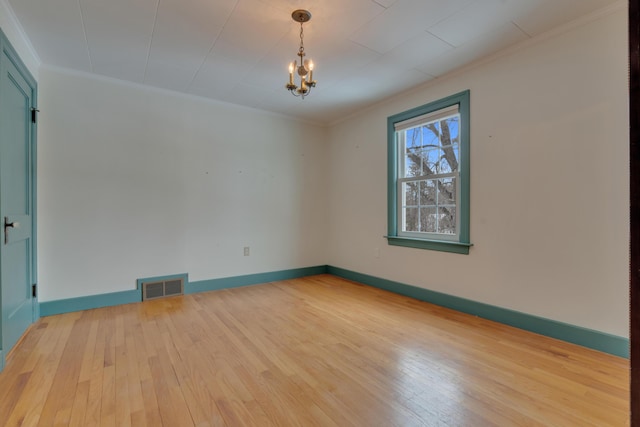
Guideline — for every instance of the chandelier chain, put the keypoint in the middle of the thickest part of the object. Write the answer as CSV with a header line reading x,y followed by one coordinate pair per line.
x,y
301,50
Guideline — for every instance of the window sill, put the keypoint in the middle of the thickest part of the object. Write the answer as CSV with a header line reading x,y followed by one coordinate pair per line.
x,y
435,245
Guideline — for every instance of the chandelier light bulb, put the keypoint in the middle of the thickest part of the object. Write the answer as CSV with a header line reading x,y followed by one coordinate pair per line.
x,y
291,67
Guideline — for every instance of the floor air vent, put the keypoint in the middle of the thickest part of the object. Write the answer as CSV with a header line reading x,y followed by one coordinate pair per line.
x,y
162,288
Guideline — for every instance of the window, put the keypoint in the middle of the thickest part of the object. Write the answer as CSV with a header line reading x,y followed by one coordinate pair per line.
x,y
428,150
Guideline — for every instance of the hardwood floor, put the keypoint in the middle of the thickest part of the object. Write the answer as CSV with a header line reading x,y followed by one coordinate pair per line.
x,y
317,351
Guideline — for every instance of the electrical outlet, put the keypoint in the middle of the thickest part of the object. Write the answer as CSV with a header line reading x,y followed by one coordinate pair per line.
x,y
376,252
246,251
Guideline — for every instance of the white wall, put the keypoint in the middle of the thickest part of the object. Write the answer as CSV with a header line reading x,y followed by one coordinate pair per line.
x,y
136,182
549,182
16,36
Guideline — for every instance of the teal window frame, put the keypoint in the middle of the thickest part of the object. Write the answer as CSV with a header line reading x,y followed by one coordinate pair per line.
x,y
462,244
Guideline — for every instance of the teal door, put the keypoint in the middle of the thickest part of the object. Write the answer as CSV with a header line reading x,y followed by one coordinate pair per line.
x,y
17,191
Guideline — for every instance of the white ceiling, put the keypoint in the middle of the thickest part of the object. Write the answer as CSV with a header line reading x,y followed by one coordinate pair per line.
x,y
238,51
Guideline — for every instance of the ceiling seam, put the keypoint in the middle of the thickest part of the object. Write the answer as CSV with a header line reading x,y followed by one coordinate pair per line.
x,y
381,5
153,31
441,39
460,9
521,29
86,39
215,41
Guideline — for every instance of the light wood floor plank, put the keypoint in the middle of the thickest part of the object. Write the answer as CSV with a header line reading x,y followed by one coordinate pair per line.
x,y
316,351
37,391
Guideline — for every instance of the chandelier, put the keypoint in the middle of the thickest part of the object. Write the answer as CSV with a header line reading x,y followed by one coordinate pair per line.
x,y
305,69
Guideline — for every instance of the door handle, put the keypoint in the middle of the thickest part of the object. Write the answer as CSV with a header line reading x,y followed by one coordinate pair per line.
x,y
7,226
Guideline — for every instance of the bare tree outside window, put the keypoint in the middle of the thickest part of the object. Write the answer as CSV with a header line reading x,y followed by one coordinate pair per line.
x,y
429,183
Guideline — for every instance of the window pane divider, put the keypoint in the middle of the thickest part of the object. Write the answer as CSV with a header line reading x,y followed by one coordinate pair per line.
x,y
429,177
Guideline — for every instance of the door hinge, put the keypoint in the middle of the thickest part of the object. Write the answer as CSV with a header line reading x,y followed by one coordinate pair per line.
x,y
34,116
34,290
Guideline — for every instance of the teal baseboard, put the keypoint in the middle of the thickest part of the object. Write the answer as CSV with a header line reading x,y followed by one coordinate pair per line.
x,y
596,340
252,279
49,308
1,361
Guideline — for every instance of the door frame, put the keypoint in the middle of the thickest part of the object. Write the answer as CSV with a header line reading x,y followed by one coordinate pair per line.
x,y
7,51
